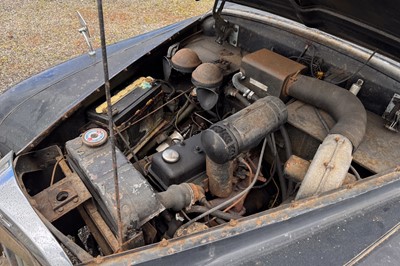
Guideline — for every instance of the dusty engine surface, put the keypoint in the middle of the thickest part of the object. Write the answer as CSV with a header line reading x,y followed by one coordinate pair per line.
x,y
195,135
218,134
91,159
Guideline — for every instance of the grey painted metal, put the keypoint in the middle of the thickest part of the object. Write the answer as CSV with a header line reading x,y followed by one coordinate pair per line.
x,y
379,61
18,217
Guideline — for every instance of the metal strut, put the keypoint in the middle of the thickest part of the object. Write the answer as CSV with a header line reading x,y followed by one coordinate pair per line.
x,y
110,118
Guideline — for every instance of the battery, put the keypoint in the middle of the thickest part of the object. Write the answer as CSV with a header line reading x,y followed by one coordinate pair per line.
x,y
135,100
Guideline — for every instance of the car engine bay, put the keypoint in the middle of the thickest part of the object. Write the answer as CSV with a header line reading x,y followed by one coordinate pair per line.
x,y
209,133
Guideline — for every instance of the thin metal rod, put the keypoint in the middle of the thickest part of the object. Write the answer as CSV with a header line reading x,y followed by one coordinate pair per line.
x,y
110,119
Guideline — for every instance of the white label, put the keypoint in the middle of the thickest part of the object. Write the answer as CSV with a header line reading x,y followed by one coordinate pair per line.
x,y
258,84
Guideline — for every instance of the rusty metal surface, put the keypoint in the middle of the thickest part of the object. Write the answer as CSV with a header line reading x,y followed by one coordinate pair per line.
x,y
62,197
380,149
270,69
94,165
235,228
238,207
136,239
36,160
59,198
193,228
21,224
226,56
207,75
149,233
220,177
185,60
98,228
296,168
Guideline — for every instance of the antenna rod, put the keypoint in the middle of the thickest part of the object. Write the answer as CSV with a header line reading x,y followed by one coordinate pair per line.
x,y
110,118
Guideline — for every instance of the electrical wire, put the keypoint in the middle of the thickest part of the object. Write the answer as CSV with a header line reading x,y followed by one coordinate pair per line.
x,y
216,213
169,85
271,174
286,140
321,119
154,111
309,60
202,117
358,70
289,152
277,193
185,215
312,61
282,182
185,105
303,53
357,175
229,201
53,174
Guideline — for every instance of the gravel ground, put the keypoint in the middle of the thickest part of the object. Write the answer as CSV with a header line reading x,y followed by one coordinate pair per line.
x,y
38,34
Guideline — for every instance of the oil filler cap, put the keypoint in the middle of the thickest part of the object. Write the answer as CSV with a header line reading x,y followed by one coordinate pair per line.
x,y
94,137
170,156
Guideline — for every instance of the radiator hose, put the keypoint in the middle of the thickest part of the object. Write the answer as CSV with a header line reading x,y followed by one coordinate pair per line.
x,y
347,110
333,157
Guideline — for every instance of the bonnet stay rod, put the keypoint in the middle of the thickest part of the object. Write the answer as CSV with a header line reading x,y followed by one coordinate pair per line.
x,y
110,119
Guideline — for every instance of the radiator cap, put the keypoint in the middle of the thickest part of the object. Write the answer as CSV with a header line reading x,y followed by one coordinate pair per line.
x,y
94,137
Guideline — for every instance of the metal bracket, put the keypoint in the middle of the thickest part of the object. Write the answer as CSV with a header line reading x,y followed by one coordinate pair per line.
x,y
62,197
223,28
233,36
172,50
167,65
392,114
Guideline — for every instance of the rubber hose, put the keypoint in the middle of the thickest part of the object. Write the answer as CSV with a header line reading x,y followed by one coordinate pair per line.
x,y
286,140
288,151
176,197
243,100
347,110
